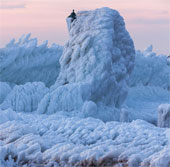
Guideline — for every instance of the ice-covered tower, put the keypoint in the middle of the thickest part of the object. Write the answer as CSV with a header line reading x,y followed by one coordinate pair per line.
x,y
95,64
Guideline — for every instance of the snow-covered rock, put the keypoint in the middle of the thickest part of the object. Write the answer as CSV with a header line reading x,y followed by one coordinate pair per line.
x,y
4,91
95,65
25,98
25,61
150,70
164,115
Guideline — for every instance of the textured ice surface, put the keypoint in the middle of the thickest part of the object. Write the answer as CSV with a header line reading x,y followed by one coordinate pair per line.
x,y
8,115
95,65
142,103
24,61
25,98
164,115
41,140
151,69
4,91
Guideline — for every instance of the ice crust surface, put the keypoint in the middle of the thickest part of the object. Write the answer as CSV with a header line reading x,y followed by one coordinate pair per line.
x,y
58,109
43,140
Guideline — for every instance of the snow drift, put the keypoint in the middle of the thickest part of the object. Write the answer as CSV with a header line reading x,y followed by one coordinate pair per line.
x,y
24,61
95,65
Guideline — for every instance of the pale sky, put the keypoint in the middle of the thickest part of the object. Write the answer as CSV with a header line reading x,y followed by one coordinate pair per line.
x,y
148,21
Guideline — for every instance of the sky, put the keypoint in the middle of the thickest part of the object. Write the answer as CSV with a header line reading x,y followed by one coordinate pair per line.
x,y
148,21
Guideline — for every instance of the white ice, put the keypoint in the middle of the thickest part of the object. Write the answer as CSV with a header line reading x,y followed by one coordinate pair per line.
x,y
40,139
25,61
25,98
95,67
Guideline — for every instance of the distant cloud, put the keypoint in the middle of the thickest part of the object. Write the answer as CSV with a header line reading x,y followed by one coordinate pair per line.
x,y
12,4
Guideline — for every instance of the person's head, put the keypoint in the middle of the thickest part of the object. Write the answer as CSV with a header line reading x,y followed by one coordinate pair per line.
x,y
73,10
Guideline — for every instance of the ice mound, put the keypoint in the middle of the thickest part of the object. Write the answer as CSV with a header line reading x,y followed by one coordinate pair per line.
x,y
42,140
164,116
95,65
25,98
150,69
25,61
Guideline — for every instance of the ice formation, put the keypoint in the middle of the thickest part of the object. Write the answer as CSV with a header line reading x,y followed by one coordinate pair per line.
x,y
24,61
164,115
95,68
142,103
95,65
42,140
4,91
153,69
25,98
8,115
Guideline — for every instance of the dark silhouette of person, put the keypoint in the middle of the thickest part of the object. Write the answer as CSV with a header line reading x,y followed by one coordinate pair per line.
x,y
72,15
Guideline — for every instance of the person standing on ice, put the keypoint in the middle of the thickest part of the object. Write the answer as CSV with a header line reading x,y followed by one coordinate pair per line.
x,y
72,15
70,19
